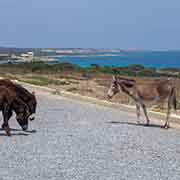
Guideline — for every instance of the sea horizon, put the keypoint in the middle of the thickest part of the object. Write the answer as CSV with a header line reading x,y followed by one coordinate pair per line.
x,y
157,59
114,57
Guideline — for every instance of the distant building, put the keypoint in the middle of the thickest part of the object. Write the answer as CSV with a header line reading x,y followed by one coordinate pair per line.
x,y
31,54
27,56
47,50
64,51
4,56
14,57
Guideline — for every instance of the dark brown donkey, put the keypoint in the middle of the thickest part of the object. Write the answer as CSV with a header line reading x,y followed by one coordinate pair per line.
x,y
148,93
28,98
9,102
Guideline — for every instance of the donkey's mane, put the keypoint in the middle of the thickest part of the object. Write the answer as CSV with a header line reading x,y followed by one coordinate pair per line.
x,y
21,92
126,79
129,83
25,93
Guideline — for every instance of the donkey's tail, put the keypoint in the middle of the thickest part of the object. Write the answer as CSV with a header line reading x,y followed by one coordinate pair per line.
x,y
174,99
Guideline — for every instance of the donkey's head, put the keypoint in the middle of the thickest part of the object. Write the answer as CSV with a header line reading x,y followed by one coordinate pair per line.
x,y
114,88
120,83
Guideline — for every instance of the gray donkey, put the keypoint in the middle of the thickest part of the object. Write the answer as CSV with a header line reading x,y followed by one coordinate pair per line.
x,y
148,93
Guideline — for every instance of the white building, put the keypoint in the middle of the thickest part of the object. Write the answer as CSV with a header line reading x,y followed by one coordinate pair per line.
x,y
28,56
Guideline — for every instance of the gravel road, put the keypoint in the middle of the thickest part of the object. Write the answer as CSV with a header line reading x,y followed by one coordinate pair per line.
x,y
71,140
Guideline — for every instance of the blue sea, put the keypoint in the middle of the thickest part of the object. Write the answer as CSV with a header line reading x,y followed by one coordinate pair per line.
x,y
158,59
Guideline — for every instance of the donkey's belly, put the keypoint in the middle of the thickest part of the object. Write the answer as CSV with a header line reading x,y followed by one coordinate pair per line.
x,y
152,102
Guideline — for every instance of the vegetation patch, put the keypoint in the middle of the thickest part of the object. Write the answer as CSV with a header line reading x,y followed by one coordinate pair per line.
x,y
36,82
72,89
90,72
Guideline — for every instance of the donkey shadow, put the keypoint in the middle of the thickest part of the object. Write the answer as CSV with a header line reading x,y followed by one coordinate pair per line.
x,y
17,132
136,124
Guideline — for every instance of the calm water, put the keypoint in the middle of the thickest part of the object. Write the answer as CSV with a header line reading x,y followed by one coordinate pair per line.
x,y
148,59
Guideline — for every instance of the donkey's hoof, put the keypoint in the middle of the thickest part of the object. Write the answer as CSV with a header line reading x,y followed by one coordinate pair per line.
x,y
3,126
138,122
166,126
8,132
147,124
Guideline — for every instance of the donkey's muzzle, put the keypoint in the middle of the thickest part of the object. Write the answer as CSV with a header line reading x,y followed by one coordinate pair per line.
x,y
109,97
32,118
25,127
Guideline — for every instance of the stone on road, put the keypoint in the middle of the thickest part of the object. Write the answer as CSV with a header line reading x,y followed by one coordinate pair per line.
x,y
79,141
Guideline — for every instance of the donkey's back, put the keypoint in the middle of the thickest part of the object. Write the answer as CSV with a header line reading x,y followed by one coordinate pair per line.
x,y
154,90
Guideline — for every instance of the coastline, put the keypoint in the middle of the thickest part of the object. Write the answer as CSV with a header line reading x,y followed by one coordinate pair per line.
x,y
101,57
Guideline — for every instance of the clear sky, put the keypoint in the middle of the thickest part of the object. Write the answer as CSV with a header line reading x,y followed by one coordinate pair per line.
x,y
140,24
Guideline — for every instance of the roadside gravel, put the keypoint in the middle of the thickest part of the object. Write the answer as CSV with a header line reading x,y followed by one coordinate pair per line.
x,y
73,140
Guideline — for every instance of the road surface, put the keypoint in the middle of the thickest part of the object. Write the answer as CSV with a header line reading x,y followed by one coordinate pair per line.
x,y
71,140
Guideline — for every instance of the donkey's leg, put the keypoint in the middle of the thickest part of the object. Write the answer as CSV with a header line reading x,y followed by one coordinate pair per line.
x,y
145,113
138,112
9,114
166,125
6,118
